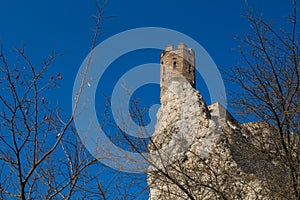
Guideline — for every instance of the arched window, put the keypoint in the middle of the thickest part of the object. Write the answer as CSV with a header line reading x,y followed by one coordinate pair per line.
x,y
174,65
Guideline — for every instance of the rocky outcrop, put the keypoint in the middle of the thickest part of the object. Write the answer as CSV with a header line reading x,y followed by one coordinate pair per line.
x,y
194,154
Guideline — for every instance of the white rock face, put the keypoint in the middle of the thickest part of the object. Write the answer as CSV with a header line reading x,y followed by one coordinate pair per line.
x,y
191,157
182,118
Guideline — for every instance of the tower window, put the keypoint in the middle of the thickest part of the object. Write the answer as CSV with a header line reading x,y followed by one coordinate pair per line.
x,y
162,62
174,65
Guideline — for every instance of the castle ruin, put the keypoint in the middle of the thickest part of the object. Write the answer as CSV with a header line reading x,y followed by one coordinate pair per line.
x,y
176,64
210,167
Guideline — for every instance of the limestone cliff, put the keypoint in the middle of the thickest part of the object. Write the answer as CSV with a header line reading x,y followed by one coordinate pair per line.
x,y
195,151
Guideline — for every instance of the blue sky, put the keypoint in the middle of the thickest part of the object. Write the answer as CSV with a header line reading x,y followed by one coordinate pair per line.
x,y
67,26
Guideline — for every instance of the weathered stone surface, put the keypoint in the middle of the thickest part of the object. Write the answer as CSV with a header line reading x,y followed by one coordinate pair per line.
x,y
176,64
192,157
202,152
176,129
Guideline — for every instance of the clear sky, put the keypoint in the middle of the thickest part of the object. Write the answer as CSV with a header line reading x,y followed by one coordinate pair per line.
x,y
67,26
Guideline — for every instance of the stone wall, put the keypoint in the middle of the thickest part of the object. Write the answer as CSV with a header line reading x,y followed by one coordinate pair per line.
x,y
176,64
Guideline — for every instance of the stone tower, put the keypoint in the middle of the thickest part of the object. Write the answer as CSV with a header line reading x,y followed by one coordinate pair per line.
x,y
176,64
